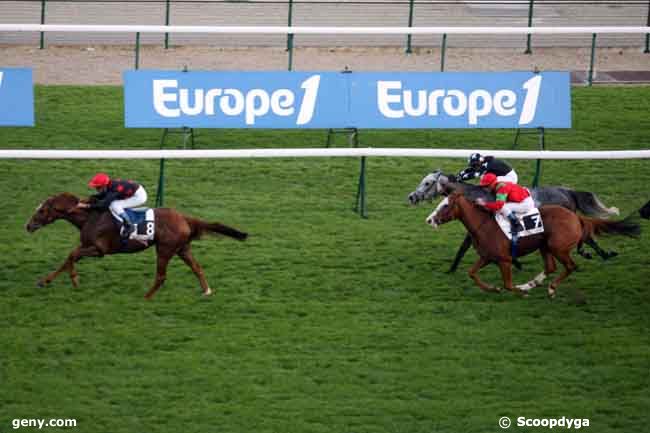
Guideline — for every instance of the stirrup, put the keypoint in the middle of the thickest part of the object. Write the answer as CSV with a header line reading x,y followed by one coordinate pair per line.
x,y
126,230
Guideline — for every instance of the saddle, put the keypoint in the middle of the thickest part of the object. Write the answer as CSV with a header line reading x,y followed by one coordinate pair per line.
x,y
528,224
144,224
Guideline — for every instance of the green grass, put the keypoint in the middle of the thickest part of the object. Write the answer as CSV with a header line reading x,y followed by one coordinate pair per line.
x,y
322,321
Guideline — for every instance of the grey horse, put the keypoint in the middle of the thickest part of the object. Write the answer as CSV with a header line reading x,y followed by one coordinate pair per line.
x,y
439,184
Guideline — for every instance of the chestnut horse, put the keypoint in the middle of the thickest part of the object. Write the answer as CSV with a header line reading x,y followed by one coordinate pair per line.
x,y
563,231
100,236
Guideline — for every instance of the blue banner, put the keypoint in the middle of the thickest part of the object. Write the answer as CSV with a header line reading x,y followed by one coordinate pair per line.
x,y
334,100
16,97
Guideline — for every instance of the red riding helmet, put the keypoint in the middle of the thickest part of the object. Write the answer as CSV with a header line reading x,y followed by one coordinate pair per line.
x,y
99,180
488,179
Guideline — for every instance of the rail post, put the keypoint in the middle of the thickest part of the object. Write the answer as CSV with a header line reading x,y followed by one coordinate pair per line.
x,y
360,206
443,49
590,75
409,36
290,36
647,35
538,163
42,44
530,24
167,6
290,49
160,193
289,22
137,51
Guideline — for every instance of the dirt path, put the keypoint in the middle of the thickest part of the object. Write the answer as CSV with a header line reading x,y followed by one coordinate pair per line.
x,y
105,64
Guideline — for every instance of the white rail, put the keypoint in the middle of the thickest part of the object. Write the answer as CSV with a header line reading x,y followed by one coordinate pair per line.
x,y
309,153
320,30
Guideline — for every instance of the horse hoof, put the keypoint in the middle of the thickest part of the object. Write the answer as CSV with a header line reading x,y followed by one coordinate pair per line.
x,y
75,281
551,294
207,292
41,283
611,255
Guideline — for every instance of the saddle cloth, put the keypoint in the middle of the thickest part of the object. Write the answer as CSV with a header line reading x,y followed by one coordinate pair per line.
x,y
143,222
529,224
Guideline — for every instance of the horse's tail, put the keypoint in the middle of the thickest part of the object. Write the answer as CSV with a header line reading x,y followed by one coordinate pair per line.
x,y
200,227
594,226
589,204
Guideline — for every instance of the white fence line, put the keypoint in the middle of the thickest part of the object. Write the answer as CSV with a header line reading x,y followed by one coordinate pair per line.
x,y
321,30
309,153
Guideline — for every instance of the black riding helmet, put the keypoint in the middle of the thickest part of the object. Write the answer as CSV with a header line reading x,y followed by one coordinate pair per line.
x,y
475,159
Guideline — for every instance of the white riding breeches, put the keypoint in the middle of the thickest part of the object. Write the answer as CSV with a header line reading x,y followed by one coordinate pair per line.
x,y
511,177
138,198
520,208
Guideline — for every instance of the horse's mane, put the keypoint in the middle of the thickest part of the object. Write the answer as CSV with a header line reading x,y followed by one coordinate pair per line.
x,y
65,201
461,193
67,195
469,190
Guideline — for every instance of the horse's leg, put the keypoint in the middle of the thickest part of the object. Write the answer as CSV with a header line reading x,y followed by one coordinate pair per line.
x,y
467,242
506,274
68,265
569,267
186,254
549,268
65,266
605,255
462,250
161,271
583,253
473,274
549,262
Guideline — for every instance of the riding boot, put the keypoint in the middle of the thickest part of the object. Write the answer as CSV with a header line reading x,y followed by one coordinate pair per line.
x,y
127,226
514,225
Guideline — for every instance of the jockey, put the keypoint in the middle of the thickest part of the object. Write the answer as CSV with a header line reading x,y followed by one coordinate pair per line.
x,y
116,195
479,165
511,199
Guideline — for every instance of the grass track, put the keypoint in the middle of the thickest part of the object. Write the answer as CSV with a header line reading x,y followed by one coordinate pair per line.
x,y
322,322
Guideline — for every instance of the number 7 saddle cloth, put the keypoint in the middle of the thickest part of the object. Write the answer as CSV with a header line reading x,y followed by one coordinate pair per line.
x,y
528,224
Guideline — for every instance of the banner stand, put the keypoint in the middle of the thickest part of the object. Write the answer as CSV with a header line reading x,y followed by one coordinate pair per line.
x,y
542,146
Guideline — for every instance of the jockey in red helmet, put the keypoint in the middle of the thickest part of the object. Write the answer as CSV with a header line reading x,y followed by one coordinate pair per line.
x,y
116,195
511,199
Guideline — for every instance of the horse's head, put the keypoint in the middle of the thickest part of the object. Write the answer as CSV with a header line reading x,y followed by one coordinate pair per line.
x,y
430,187
447,210
52,209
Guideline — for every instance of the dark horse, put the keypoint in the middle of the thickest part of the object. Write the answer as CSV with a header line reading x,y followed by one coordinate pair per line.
x,y
437,183
563,231
644,212
100,236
